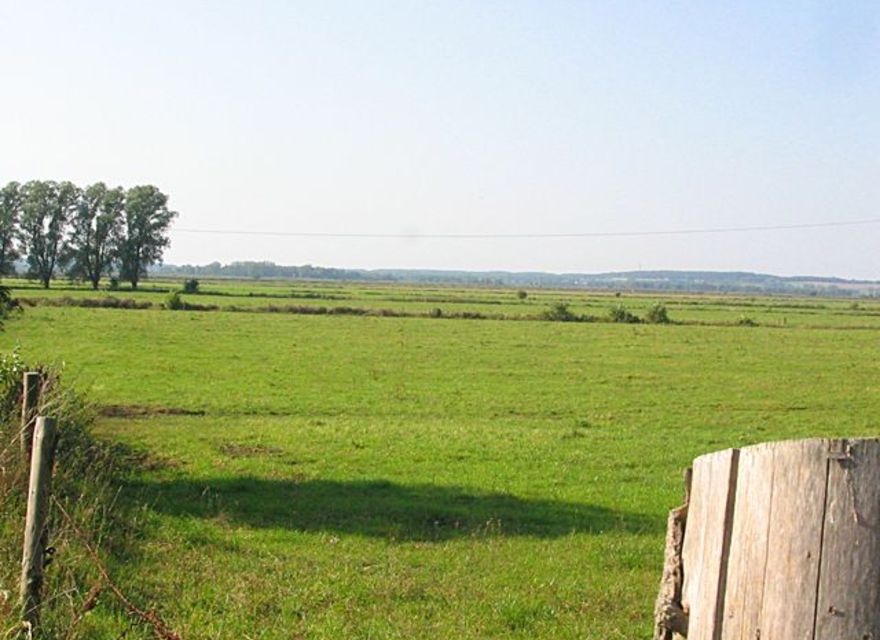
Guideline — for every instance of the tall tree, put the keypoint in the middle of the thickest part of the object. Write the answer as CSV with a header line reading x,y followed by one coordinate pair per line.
x,y
144,236
10,210
46,208
94,231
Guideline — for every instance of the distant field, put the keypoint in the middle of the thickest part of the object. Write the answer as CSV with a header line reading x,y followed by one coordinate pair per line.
x,y
779,311
381,477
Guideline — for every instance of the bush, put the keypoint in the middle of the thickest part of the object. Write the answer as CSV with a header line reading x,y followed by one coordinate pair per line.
x,y
559,312
745,321
108,302
468,315
8,304
522,294
657,314
114,284
620,314
348,311
173,301
191,286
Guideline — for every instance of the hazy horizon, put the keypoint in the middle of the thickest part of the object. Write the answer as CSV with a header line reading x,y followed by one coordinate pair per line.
x,y
465,118
512,271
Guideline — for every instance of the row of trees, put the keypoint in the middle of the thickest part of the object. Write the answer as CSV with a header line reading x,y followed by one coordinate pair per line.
x,y
263,270
86,233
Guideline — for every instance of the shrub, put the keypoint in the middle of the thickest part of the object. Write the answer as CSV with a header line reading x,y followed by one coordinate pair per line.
x,y
8,304
468,315
620,314
745,321
348,311
173,301
657,314
559,312
191,286
522,294
114,284
389,313
108,302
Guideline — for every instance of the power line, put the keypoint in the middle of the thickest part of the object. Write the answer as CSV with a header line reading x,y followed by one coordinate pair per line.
x,y
491,236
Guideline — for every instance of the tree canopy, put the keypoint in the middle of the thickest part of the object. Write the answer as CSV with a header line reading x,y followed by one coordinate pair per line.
x,y
87,233
95,229
145,225
10,209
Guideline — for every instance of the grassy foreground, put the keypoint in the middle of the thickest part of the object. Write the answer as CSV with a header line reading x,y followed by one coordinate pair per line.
x,y
366,477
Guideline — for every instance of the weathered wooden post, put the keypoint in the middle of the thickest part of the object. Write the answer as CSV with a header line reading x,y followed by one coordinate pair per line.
x,y
35,522
782,541
669,617
30,402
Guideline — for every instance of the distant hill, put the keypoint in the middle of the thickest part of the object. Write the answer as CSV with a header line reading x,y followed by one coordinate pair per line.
x,y
689,281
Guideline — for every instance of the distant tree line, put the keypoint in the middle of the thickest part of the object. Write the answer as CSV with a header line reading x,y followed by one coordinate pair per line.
x,y
58,227
262,269
684,281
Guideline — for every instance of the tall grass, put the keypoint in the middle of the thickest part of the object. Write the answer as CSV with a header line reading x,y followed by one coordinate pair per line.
x,y
84,525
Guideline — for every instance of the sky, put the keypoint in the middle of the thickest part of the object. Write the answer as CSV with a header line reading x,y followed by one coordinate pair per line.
x,y
479,117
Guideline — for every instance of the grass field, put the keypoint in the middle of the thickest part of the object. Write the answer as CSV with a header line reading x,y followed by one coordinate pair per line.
x,y
380,477
720,309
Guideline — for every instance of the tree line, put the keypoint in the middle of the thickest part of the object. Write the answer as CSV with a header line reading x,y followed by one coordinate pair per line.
x,y
86,233
263,269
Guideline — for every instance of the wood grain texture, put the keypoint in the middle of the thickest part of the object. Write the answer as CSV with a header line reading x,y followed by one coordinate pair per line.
x,y
783,542
797,510
33,555
748,549
704,551
670,618
30,401
849,578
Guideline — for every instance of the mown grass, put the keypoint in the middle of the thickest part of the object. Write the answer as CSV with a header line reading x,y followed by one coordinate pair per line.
x,y
366,477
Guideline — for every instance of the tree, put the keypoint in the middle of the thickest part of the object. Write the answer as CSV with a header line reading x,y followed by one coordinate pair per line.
x,y
94,232
45,209
10,210
144,233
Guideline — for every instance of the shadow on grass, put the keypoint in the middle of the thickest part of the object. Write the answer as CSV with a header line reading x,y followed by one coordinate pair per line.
x,y
383,509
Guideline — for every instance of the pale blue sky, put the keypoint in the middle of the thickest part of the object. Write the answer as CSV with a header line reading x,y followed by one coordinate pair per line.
x,y
464,117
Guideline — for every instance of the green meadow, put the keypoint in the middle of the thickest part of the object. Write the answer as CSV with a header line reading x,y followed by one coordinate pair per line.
x,y
358,476
716,309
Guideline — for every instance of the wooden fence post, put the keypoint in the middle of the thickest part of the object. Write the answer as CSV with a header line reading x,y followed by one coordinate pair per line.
x,y
30,402
669,616
782,541
35,521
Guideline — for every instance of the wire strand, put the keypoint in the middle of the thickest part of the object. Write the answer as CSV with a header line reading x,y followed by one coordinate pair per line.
x,y
502,236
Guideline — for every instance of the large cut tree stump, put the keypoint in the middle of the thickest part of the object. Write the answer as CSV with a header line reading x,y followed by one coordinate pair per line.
x,y
782,542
